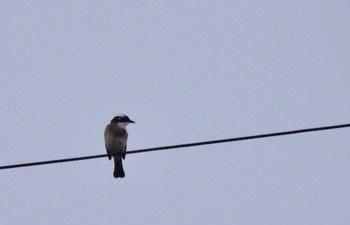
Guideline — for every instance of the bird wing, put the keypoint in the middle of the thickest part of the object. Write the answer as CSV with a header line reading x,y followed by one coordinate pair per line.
x,y
108,142
123,155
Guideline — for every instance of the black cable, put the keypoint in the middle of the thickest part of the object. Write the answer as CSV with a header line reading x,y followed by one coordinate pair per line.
x,y
181,146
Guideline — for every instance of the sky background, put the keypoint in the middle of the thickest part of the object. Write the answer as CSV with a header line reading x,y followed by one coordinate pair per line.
x,y
185,71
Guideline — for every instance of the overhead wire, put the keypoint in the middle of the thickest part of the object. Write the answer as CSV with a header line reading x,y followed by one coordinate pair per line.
x,y
283,133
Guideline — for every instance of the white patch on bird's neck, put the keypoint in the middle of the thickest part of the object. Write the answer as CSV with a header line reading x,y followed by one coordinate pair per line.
x,y
123,124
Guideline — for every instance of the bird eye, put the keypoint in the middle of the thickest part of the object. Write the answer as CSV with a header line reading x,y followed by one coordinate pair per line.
x,y
121,119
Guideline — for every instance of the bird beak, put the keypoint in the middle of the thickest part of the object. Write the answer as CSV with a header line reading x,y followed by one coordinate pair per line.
x,y
131,121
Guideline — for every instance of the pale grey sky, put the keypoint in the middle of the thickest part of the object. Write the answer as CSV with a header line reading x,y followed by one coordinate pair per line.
x,y
185,71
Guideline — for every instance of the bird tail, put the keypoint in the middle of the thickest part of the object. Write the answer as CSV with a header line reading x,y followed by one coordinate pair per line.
x,y
118,168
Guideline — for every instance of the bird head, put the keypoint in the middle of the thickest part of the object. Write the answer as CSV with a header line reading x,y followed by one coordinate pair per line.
x,y
122,120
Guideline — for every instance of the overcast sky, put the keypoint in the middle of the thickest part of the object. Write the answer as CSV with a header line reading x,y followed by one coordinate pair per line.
x,y
185,71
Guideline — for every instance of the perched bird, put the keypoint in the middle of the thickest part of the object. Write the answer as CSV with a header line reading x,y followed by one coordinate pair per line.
x,y
115,141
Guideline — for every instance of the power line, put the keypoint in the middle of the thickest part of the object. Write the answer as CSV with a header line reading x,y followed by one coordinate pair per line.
x,y
181,146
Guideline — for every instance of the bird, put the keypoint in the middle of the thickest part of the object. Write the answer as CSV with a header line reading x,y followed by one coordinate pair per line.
x,y
116,137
